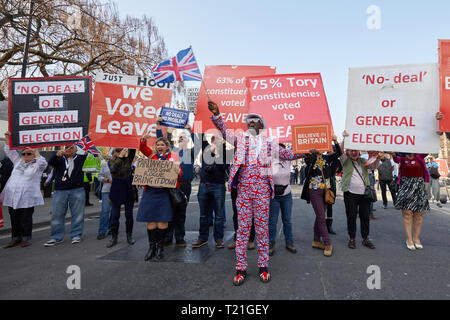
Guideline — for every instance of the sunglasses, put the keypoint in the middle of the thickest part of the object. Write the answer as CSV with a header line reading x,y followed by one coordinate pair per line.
x,y
255,120
27,153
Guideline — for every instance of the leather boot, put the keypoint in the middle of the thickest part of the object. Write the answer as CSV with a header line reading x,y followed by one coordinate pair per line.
x,y
129,229
114,234
329,222
151,244
159,243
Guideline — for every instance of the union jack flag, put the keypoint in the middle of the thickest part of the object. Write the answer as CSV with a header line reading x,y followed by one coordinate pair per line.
x,y
88,146
182,67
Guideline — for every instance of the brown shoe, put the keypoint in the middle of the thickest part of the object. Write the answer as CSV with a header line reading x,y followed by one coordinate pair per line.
x,y
232,245
199,243
13,243
328,251
219,244
167,244
290,247
318,245
24,244
250,245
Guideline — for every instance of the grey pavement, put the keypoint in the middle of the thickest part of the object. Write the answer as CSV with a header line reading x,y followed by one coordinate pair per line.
x,y
38,272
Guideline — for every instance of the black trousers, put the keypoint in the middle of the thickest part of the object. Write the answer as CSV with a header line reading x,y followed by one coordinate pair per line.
x,y
87,190
179,218
383,184
329,211
357,204
21,223
235,219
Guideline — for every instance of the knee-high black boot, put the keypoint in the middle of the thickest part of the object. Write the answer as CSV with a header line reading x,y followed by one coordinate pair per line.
x,y
129,229
159,243
151,244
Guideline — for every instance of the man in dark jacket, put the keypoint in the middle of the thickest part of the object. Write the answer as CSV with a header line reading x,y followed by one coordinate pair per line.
x,y
211,191
385,177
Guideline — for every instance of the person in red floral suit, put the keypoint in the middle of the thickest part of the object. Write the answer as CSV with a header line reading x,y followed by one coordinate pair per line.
x,y
251,173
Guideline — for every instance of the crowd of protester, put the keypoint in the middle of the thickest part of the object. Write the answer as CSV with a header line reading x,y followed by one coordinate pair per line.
x,y
259,180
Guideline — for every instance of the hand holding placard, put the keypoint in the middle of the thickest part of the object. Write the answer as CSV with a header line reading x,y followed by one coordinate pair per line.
x,y
212,106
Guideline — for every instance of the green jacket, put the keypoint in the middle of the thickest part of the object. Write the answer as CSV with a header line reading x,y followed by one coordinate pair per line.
x,y
348,171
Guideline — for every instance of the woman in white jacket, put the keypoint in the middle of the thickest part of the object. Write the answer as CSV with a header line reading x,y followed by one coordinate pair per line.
x,y
22,192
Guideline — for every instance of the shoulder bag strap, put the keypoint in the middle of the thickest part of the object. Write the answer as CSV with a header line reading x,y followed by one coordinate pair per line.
x,y
324,181
358,172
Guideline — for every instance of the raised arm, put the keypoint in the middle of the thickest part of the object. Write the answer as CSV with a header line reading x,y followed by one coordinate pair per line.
x,y
143,146
287,154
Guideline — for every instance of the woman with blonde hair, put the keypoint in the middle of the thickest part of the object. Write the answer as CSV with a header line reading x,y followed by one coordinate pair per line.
x,y
22,192
155,207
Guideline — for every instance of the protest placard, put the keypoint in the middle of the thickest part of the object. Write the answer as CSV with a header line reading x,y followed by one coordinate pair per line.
x,y
175,118
444,84
48,111
192,97
284,100
125,108
156,173
443,167
226,87
393,108
312,136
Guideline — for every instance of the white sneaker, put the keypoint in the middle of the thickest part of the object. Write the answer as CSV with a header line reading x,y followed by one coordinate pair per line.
x,y
53,242
76,240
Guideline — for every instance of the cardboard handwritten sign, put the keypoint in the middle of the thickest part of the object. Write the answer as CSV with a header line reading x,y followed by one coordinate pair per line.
x,y
156,173
311,136
174,118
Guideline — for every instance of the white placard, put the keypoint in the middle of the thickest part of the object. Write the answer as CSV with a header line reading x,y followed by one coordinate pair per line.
x,y
392,108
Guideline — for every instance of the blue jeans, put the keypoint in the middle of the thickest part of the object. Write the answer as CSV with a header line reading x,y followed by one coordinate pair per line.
x,y
211,197
285,204
106,213
62,199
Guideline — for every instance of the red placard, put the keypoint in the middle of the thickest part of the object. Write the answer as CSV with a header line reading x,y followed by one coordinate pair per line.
x,y
443,167
226,87
122,113
284,100
444,84
311,136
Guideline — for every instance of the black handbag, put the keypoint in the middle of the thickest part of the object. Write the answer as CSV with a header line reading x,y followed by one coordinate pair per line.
x,y
394,185
279,189
369,192
177,197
